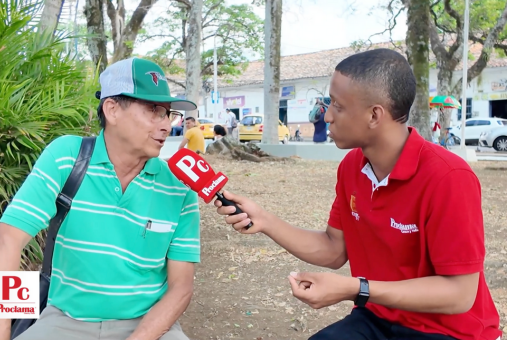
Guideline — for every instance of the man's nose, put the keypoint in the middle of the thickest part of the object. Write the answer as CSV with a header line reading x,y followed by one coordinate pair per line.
x,y
165,125
328,117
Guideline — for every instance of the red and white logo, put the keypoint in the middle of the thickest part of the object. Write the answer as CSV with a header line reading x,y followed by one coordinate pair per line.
x,y
19,295
156,76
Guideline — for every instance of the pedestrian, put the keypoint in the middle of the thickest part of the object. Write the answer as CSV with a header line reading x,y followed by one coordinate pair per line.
x,y
194,138
416,258
123,265
219,132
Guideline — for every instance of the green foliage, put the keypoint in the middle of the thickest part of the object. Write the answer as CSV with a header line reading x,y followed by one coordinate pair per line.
x,y
483,16
44,94
239,32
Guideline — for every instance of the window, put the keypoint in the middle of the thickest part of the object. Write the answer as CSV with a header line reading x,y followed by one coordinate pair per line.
x,y
205,121
483,122
469,109
501,122
471,123
251,120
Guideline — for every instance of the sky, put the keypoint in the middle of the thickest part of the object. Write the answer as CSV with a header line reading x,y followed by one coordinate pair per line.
x,y
312,25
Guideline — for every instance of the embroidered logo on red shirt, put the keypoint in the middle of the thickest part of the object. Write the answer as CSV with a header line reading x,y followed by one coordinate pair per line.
x,y
353,207
404,228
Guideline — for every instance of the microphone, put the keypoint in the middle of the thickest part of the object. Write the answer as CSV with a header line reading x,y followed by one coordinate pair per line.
x,y
193,171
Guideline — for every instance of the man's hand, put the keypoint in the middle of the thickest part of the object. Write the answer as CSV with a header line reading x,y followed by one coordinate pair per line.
x,y
320,290
251,212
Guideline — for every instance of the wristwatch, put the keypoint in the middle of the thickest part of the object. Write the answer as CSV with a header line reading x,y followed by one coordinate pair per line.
x,y
364,292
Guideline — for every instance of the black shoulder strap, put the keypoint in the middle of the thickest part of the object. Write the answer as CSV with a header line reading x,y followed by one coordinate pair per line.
x,y
64,199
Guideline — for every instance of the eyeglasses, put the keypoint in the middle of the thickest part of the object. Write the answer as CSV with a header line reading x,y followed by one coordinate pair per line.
x,y
158,112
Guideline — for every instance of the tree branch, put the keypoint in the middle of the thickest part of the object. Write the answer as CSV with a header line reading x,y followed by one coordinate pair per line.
x,y
455,47
160,36
391,23
138,16
482,42
208,24
186,3
437,46
211,9
178,50
487,49
129,35
175,82
435,19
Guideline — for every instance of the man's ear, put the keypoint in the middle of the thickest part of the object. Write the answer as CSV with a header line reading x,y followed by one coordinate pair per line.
x,y
378,114
111,110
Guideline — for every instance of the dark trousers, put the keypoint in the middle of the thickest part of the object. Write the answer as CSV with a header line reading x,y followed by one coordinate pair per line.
x,y
362,324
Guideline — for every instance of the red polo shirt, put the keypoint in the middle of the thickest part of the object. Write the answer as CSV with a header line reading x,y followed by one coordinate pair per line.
x,y
425,219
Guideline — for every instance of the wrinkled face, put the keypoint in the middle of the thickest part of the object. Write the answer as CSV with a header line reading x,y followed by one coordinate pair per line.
x,y
190,124
144,126
351,116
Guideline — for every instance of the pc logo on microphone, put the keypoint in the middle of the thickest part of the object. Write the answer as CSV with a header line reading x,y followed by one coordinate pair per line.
x,y
187,163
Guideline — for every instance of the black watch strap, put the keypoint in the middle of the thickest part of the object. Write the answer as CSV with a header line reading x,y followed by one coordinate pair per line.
x,y
364,292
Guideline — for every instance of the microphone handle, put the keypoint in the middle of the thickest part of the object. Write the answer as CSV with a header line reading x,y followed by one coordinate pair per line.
x,y
228,203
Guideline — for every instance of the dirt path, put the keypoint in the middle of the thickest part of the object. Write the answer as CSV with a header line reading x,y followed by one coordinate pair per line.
x,y
242,291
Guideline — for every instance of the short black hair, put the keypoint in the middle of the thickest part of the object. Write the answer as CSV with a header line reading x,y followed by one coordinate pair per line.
x,y
124,102
386,72
219,130
190,118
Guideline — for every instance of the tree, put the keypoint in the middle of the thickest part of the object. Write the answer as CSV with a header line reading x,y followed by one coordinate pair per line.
x,y
51,14
237,27
96,38
487,23
417,41
193,53
272,41
45,93
124,33
487,27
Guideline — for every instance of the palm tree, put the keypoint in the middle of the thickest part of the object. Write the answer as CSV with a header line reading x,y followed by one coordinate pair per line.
x,y
44,93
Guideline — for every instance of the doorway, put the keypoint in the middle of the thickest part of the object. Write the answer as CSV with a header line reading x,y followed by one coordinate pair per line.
x,y
236,113
498,109
282,112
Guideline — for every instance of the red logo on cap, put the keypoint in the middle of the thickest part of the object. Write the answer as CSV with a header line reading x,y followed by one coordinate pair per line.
x,y
155,76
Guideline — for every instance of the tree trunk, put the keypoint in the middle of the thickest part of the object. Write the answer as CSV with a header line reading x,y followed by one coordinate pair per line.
x,y
418,38
444,83
95,26
117,17
272,40
193,54
128,36
51,14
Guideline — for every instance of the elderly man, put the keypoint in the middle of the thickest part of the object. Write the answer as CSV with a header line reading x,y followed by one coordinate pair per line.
x,y
123,265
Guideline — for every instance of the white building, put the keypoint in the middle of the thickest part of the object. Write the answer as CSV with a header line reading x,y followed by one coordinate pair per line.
x,y
306,76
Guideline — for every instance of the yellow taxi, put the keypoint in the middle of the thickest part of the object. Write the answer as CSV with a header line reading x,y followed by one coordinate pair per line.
x,y
252,125
206,125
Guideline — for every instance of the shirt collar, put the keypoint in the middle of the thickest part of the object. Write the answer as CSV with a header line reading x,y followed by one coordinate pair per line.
x,y
100,156
407,163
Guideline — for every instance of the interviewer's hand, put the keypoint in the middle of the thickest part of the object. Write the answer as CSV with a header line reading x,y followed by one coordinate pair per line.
x,y
320,290
251,212
5,329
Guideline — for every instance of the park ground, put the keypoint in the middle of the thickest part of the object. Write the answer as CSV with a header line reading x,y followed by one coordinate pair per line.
x,y
241,286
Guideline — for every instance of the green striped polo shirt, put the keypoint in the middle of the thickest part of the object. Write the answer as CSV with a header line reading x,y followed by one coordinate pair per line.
x,y
106,264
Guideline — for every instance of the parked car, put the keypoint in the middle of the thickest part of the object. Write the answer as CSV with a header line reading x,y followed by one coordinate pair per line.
x,y
475,126
495,138
206,125
251,127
